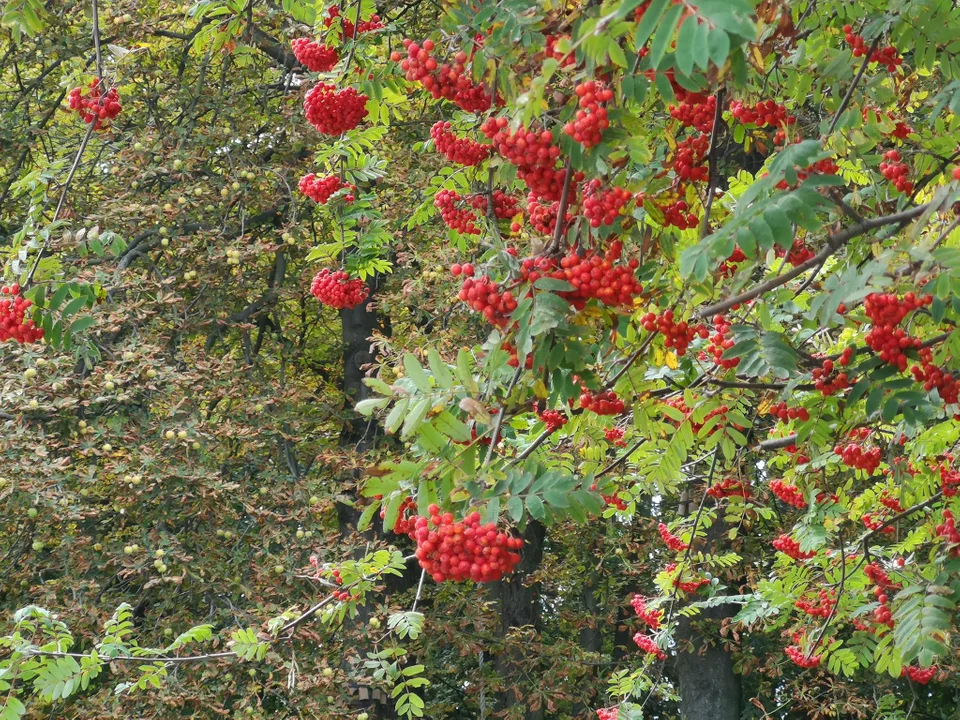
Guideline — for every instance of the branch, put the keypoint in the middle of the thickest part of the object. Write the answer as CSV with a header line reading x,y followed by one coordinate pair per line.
x,y
834,243
562,212
853,85
712,156
776,443
899,516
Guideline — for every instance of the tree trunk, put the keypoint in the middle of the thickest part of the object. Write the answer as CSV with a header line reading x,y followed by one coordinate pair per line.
x,y
709,686
519,607
358,325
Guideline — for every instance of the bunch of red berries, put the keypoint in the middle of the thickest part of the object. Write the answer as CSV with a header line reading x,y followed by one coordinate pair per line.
x,y
888,55
677,214
466,269
334,573
349,30
649,646
462,151
949,480
688,162
798,254
553,419
901,129
696,111
728,267
890,502
677,335
543,218
896,171
670,540
800,659
921,676
934,378
455,218
504,206
611,713
466,550
533,153
485,296
883,615
648,616
765,113
450,82
729,487
314,56
790,494
406,516
821,607
94,107
615,435
858,457
720,343
550,50
687,586
592,276
604,402
13,325
614,501
591,118
791,548
601,207
828,385
334,112
877,522
948,531
827,166
319,189
786,414
886,312
337,290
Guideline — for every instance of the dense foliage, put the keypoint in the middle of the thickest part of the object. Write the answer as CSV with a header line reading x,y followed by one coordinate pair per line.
x,y
491,359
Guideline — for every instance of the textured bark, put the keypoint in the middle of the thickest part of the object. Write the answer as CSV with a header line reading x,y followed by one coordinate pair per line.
x,y
520,607
709,686
358,325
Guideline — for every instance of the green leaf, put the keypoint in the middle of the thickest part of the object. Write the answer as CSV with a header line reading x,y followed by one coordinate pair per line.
x,y
414,371
416,415
73,307
81,324
515,508
648,22
664,35
535,507
686,40
718,46
439,369
890,409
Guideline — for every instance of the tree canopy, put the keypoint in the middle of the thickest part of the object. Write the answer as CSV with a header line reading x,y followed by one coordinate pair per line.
x,y
489,359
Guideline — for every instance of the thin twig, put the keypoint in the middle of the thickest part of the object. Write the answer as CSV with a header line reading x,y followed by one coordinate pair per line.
x,y
712,156
853,85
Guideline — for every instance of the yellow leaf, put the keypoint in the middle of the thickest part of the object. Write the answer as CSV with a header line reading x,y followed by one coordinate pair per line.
x,y
671,359
540,390
757,58
765,406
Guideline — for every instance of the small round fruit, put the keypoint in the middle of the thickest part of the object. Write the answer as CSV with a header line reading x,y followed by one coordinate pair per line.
x,y
98,547
29,373
328,672
38,545
182,434
278,569
299,534
32,512
107,447
169,434
151,373
314,500
168,632
109,386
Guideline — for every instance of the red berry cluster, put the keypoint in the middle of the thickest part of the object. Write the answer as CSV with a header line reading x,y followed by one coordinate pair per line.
x,y
856,456
896,171
800,659
886,312
677,214
314,56
827,166
877,522
94,107
462,151
934,378
687,586
883,615
791,548
890,502
921,676
13,326
677,335
504,206
533,153
450,82
601,207
821,607
614,500
689,159
543,218
696,111
611,713
901,129
798,254
334,112
485,296
670,540
455,218
466,269
550,50
553,419
949,481
720,343
729,487
888,55
948,531
649,646
365,26
680,405
728,267
604,402
406,516
320,189
592,276
786,414
337,290
615,435
765,113
789,494
591,118
466,550
648,616
828,385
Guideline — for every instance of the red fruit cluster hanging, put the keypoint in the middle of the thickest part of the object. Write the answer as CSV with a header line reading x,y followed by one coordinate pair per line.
x,y
611,713
856,456
337,290
798,254
591,118
533,153
934,378
543,218
827,166
349,30
728,487
462,151
791,548
720,343
728,267
648,616
615,435
334,112
766,113
553,419
485,296
896,172
314,56
886,312
689,159
460,551
948,531
799,658
456,218
790,494
451,82
550,50
13,324
901,129
319,189
95,107
696,111
824,379
677,214
406,516
786,414
605,402
821,607
649,646
887,55
921,676
601,207
505,206
687,586
670,540
677,335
